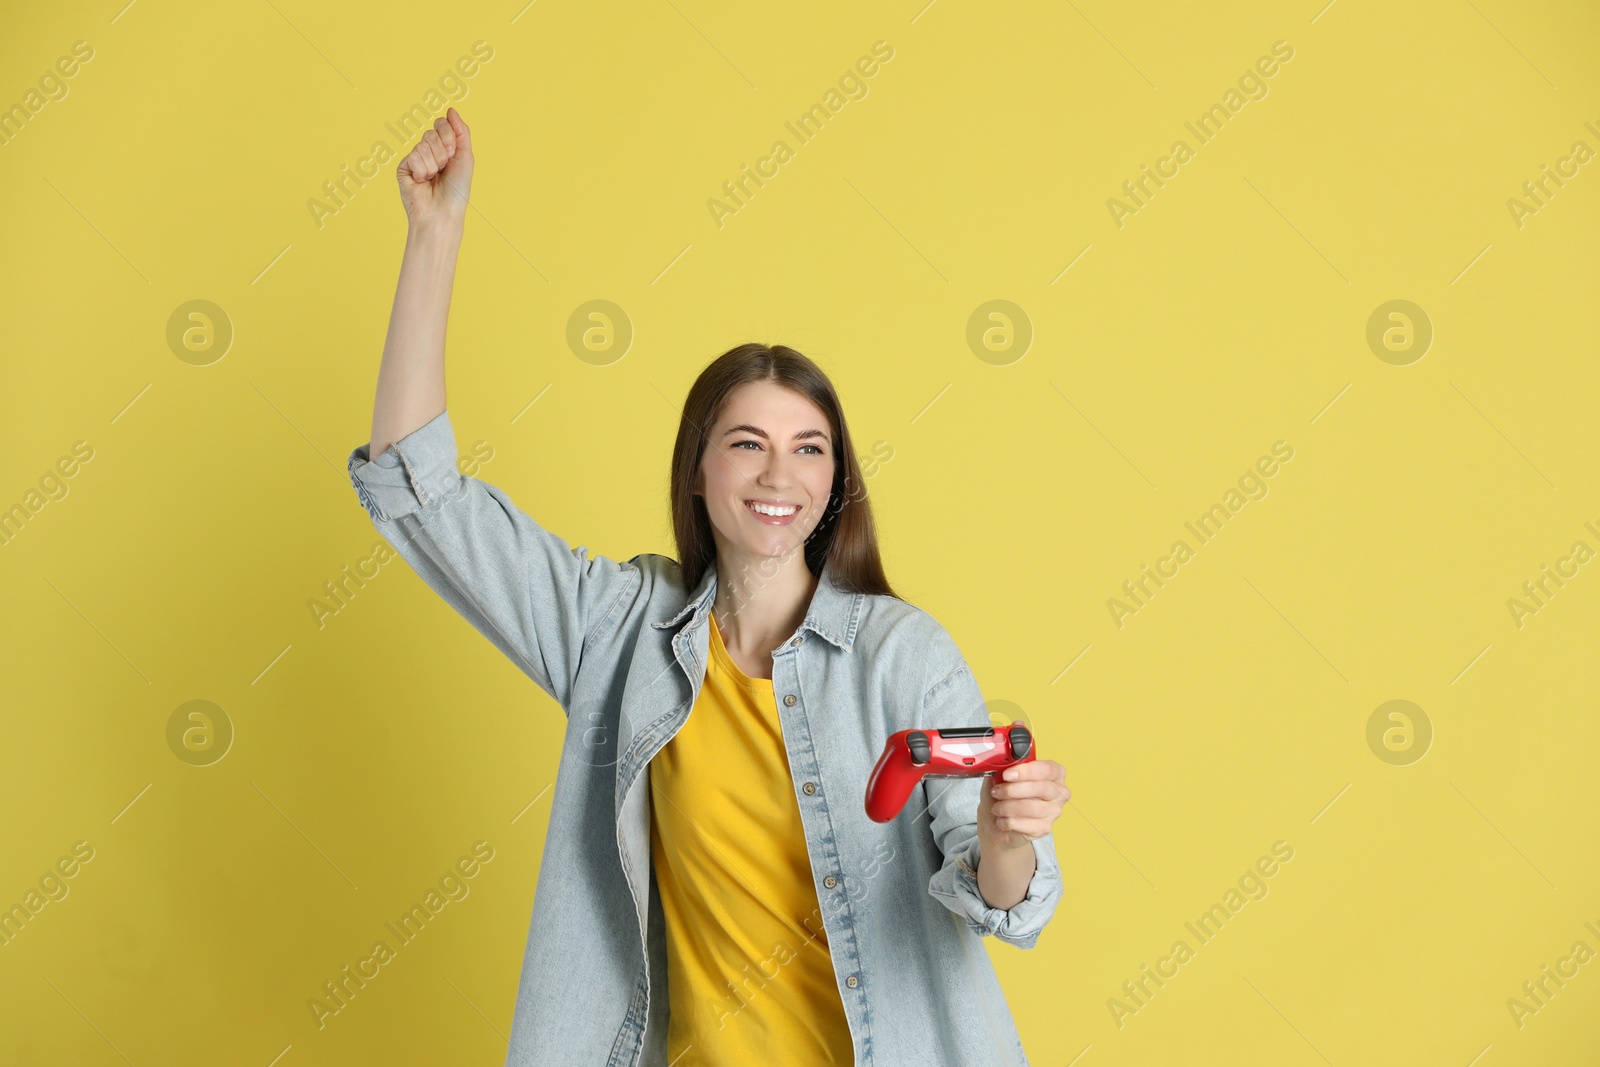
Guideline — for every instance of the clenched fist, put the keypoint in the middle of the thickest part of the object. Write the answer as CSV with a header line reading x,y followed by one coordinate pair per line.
x,y
436,176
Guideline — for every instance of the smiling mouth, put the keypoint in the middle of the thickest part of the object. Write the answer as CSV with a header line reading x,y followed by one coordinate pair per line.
x,y
773,514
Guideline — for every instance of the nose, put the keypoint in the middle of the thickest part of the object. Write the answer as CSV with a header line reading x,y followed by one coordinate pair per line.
x,y
773,472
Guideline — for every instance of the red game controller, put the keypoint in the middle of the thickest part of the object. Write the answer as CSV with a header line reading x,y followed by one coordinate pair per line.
x,y
961,752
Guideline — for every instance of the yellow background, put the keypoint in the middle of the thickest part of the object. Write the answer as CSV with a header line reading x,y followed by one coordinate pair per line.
x,y
1229,313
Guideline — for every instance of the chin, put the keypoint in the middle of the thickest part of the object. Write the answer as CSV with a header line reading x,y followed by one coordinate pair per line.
x,y
778,547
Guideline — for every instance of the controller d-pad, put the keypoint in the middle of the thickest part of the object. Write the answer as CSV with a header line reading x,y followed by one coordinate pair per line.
x,y
917,742
1021,742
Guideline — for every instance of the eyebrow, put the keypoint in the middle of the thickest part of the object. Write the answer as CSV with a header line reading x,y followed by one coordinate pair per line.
x,y
759,432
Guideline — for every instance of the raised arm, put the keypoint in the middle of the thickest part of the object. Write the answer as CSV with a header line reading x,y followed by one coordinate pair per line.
x,y
538,599
435,179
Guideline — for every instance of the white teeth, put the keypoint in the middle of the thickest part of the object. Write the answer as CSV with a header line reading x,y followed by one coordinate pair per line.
x,y
774,512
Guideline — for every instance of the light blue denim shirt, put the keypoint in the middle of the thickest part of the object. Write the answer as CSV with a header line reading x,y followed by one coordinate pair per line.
x,y
622,646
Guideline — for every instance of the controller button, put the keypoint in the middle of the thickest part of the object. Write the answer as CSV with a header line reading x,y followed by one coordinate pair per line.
x,y
917,742
788,700
852,981
1021,741
809,788
830,881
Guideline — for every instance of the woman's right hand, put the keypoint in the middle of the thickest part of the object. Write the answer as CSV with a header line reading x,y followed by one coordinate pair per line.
x,y
436,176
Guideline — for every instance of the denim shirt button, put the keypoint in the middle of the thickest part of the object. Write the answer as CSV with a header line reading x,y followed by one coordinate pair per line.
x,y
788,700
793,643
830,881
852,981
809,788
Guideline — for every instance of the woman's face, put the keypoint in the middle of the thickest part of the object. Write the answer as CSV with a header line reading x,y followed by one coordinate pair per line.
x,y
770,446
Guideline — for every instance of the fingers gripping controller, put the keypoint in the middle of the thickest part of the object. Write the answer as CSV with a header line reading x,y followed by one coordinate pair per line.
x,y
909,756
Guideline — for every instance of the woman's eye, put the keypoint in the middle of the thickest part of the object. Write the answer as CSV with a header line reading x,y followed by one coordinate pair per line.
x,y
818,448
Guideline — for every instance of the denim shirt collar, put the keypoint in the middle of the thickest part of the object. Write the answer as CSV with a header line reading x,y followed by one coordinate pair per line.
x,y
833,613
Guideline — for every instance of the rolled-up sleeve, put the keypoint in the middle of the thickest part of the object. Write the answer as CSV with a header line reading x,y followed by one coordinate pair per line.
x,y
952,804
527,590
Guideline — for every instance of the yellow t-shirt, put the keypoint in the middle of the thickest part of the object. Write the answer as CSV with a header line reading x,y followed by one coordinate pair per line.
x,y
749,975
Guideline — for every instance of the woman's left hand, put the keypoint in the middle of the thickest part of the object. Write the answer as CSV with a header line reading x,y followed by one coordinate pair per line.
x,y
1020,804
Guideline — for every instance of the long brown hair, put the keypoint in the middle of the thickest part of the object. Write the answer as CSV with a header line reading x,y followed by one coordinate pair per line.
x,y
844,539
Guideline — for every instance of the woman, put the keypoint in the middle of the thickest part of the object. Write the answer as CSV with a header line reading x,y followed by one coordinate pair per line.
x,y
712,891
